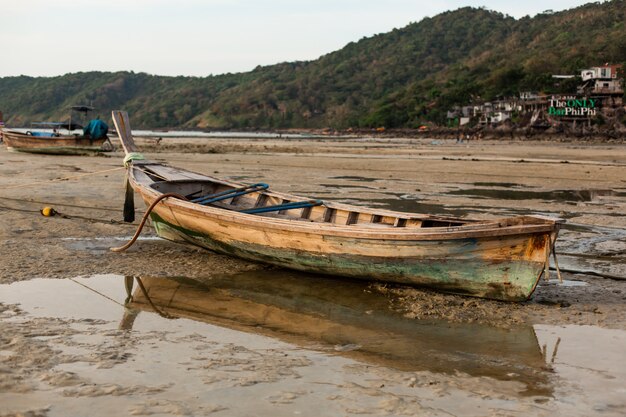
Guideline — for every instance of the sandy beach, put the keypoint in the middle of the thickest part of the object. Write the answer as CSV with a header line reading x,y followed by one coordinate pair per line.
x,y
76,358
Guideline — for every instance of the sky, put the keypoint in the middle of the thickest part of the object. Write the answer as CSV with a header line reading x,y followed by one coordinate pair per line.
x,y
204,37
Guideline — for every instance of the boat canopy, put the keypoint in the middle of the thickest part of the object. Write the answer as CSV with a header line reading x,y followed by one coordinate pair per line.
x,y
58,125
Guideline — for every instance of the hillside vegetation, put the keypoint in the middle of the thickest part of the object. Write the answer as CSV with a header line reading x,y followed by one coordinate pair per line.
x,y
403,78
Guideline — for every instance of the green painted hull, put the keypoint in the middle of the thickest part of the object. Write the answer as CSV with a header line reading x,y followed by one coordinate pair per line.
x,y
459,272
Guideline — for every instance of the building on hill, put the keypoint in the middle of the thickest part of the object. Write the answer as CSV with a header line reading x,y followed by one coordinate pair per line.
x,y
599,93
528,96
602,83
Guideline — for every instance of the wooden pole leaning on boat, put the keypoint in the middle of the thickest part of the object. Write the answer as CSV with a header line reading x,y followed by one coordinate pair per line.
x,y
122,125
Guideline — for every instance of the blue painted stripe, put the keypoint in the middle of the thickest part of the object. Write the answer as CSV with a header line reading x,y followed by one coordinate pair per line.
x,y
286,206
235,192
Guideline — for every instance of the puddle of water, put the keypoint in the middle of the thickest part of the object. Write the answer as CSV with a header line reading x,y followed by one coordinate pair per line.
x,y
407,204
340,186
280,343
355,178
98,245
587,360
412,206
309,311
334,315
499,184
240,177
595,249
564,283
614,268
556,195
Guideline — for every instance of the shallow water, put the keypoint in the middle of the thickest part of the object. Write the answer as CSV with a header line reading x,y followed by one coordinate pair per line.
x,y
100,245
506,193
311,311
596,249
198,134
408,204
355,178
279,343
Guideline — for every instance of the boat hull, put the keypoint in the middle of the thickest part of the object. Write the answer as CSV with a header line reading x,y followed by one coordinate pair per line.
x,y
503,268
61,145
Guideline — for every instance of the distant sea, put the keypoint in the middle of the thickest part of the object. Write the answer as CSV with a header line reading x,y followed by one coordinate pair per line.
x,y
219,134
193,134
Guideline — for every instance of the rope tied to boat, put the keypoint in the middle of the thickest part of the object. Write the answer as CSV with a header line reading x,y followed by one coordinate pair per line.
x,y
133,156
145,218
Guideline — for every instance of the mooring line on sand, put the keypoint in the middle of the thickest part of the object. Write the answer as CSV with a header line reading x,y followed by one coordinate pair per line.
x,y
71,216
61,179
25,200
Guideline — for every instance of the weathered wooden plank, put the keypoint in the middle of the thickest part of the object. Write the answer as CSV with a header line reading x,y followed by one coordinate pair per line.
x,y
122,125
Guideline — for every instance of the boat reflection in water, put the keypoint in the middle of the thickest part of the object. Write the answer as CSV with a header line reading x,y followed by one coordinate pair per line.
x,y
344,317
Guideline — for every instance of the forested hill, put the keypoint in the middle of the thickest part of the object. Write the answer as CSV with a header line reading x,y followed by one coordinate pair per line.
x,y
403,78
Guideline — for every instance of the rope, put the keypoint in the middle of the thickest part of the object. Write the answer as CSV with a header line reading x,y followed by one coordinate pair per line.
x,y
132,156
68,216
556,263
144,218
97,292
61,179
27,200
145,294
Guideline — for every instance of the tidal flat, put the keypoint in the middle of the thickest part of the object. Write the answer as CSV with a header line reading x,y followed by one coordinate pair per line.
x,y
169,329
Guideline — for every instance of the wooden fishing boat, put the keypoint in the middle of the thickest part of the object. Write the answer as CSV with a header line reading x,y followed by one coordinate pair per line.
x,y
500,259
54,143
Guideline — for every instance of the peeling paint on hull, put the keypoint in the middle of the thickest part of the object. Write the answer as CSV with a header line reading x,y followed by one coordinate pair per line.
x,y
457,266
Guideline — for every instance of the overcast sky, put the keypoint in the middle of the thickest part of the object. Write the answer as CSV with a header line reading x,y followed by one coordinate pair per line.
x,y
203,37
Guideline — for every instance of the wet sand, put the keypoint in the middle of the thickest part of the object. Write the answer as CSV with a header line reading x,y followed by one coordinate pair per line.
x,y
45,360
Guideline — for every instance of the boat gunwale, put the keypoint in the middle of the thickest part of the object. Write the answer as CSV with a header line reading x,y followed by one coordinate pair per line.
x,y
487,229
329,204
6,133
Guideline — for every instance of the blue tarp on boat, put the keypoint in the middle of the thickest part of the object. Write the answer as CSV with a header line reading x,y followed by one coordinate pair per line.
x,y
96,129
